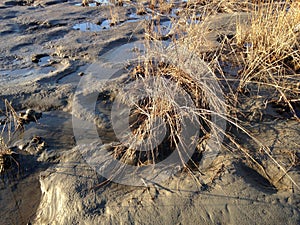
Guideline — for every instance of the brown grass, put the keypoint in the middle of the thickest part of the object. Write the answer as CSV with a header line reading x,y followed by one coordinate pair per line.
x,y
162,104
271,54
11,130
267,50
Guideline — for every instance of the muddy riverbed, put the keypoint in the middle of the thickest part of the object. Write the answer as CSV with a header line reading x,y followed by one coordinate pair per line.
x,y
47,50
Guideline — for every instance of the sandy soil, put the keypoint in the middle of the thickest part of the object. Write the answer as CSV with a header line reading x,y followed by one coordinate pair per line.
x,y
57,186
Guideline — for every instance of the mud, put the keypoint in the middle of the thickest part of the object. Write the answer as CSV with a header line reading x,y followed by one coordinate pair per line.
x,y
46,47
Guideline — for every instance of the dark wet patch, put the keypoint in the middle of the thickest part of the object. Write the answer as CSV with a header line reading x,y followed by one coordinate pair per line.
x,y
254,179
21,199
8,15
19,3
53,2
13,3
56,23
38,25
9,29
229,69
296,106
283,110
20,189
52,35
116,43
223,37
20,46
58,130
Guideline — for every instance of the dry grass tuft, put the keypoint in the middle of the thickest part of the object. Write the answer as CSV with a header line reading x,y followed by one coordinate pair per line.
x,y
214,6
163,84
11,129
266,48
114,17
271,53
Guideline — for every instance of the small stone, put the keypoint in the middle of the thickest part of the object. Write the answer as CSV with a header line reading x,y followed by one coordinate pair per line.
x,y
81,74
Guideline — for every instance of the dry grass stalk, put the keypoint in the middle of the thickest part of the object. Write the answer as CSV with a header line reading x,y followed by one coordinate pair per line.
x,y
267,50
162,104
214,6
114,17
271,49
118,2
85,3
11,130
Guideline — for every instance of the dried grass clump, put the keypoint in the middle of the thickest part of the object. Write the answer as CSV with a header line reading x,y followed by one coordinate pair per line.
x,y
7,157
164,7
271,54
163,105
267,49
11,129
196,34
214,6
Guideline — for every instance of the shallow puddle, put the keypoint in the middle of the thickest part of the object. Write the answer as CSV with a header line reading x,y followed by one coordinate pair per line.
x,y
44,61
24,75
96,3
90,27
